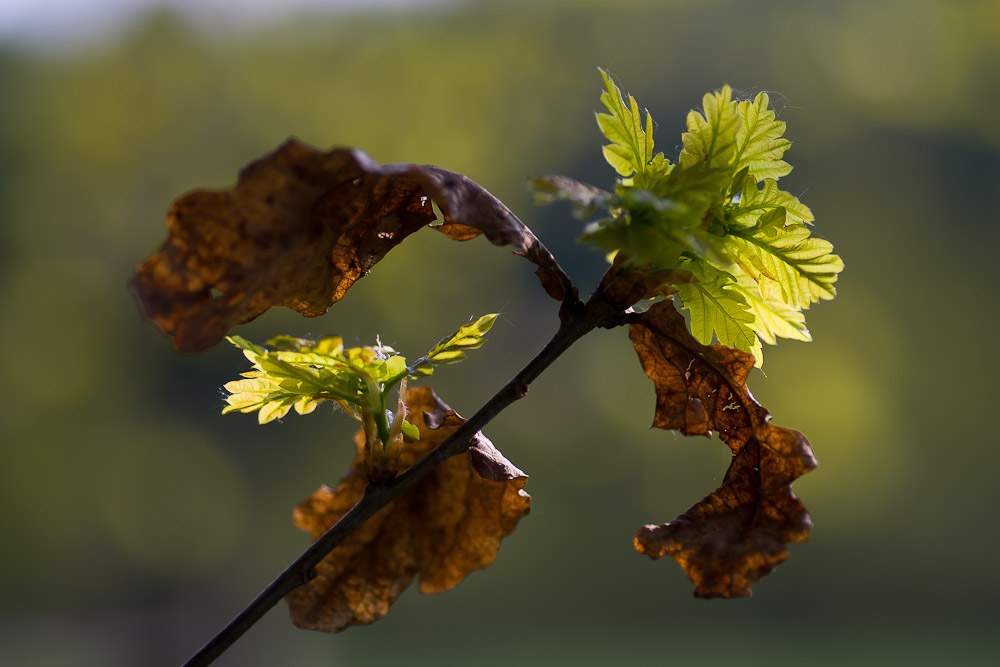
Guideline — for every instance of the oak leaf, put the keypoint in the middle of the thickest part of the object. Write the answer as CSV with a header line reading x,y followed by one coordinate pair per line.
x,y
299,228
739,533
441,529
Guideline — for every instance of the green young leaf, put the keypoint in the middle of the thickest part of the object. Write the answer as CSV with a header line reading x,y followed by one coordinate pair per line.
x,y
786,261
759,140
410,431
249,395
711,136
773,318
631,147
300,377
651,228
717,308
717,214
696,186
302,373
650,231
306,404
451,349
754,200
392,368
275,409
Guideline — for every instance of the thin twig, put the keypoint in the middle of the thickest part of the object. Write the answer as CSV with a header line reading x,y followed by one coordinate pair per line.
x,y
576,320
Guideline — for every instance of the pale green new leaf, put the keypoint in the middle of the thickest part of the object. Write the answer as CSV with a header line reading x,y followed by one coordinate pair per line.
x,y
631,147
302,373
270,363
773,318
786,261
309,359
275,410
410,431
756,200
391,368
759,140
270,399
658,170
653,229
717,308
252,386
451,349
284,378
711,136
306,404
248,395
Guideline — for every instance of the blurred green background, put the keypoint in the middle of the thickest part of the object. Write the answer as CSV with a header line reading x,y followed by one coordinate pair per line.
x,y
136,520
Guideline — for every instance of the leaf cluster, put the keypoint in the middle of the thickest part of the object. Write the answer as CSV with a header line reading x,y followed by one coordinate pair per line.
x,y
299,373
714,228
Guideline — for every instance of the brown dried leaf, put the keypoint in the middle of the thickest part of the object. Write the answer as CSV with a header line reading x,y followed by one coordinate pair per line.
x,y
624,285
737,534
299,228
441,529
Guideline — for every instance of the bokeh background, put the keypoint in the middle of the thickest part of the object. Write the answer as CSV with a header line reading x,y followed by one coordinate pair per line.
x,y
136,520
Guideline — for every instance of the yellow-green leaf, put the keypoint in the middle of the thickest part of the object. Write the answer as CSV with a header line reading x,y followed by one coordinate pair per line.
x,y
711,134
717,308
631,147
759,140
788,262
274,410
451,349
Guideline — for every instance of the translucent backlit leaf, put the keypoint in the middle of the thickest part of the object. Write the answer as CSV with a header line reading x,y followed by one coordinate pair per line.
x,y
756,200
717,308
786,260
276,409
711,133
772,318
631,147
451,349
759,140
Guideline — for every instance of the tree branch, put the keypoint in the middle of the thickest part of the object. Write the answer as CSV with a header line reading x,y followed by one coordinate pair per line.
x,y
576,320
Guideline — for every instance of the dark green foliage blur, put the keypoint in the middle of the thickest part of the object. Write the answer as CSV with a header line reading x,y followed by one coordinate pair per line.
x,y
137,520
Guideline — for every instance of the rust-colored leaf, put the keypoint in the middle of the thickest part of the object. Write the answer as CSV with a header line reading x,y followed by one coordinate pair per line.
x,y
739,533
625,285
299,228
441,529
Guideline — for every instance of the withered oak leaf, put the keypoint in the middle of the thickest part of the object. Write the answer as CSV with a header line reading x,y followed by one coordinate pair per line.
x,y
441,529
623,284
299,228
739,533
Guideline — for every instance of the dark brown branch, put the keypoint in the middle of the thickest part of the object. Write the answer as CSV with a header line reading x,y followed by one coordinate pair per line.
x,y
576,320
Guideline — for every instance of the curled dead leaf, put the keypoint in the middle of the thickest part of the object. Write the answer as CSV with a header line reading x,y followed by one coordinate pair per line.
x,y
624,284
300,227
441,529
739,533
